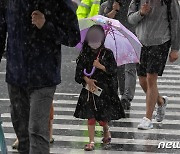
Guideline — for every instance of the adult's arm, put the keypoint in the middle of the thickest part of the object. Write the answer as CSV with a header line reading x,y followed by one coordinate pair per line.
x,y
175,25
110,14
102,9
83,9
62,24
134,16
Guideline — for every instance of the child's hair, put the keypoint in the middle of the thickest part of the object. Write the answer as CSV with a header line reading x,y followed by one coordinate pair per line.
x,y
85,47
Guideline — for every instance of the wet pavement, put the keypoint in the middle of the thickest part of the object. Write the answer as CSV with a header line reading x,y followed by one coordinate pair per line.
x,y
71,134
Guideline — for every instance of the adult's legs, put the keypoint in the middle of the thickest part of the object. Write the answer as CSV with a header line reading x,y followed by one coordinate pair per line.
x,y
130,82
121,79
40,101
143,83
151,94
20,116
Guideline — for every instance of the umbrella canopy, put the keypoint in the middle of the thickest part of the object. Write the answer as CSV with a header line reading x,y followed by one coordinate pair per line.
x,y
124,44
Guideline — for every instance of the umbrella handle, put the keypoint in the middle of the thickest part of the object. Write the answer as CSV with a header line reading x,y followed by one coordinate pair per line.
x,y
90,74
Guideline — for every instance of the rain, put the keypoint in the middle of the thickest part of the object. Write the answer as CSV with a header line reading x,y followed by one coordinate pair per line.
x,y
89,76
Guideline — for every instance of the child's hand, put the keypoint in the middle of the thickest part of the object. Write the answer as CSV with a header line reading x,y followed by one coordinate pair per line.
x,y
92,85
38,19
98,65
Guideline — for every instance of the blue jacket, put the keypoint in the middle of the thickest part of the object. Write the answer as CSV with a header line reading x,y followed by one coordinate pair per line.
x,y
33,55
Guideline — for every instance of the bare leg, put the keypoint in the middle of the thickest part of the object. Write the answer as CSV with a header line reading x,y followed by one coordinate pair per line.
x,y
143,83
51,129
151,94
91,131
51,123
106,131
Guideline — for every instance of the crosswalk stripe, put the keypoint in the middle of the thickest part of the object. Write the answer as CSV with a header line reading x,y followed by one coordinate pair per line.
x,y
124,120
112,129
164,86
136,97
97,140
169,81
175,92
133,104
81,151
72,109
132,111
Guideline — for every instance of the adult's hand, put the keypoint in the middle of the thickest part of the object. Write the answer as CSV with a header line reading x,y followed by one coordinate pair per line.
x,y
173,56
116,6
145,9
38,19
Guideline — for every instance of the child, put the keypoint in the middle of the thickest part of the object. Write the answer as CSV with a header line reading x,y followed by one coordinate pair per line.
x,y
107,106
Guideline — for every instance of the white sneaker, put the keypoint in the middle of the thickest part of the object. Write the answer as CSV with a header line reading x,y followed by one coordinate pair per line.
x,y
145,124
161,110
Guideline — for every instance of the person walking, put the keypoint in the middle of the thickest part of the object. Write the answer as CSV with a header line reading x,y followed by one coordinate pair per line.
x,y
36,29
158,28
88,8
118,9
99,99
51,119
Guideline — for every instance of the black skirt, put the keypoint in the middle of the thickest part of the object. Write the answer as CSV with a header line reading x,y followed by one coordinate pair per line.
x,y
103,108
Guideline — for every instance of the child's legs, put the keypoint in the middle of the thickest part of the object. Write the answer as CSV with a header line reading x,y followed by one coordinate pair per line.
x,y
106,131
91,129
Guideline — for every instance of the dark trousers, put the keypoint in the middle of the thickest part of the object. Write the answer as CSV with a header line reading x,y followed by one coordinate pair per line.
x,y
30,111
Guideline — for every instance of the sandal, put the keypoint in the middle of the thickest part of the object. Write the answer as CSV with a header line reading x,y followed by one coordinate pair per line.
x,y
89,147
106,141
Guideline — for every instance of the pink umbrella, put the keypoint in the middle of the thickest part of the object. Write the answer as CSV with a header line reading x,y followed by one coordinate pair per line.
x,y
125,45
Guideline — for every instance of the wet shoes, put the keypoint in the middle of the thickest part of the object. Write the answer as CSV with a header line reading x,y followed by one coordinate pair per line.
x,y
145,124
161,110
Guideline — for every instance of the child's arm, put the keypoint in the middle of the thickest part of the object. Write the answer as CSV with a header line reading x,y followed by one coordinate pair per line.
x,y
79,70
110,64
91,83
98,65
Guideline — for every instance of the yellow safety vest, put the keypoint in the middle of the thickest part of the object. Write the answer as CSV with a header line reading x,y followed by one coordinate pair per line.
x,y
88,8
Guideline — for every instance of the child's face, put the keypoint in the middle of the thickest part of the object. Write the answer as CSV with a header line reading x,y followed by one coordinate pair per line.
x,y
95,35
